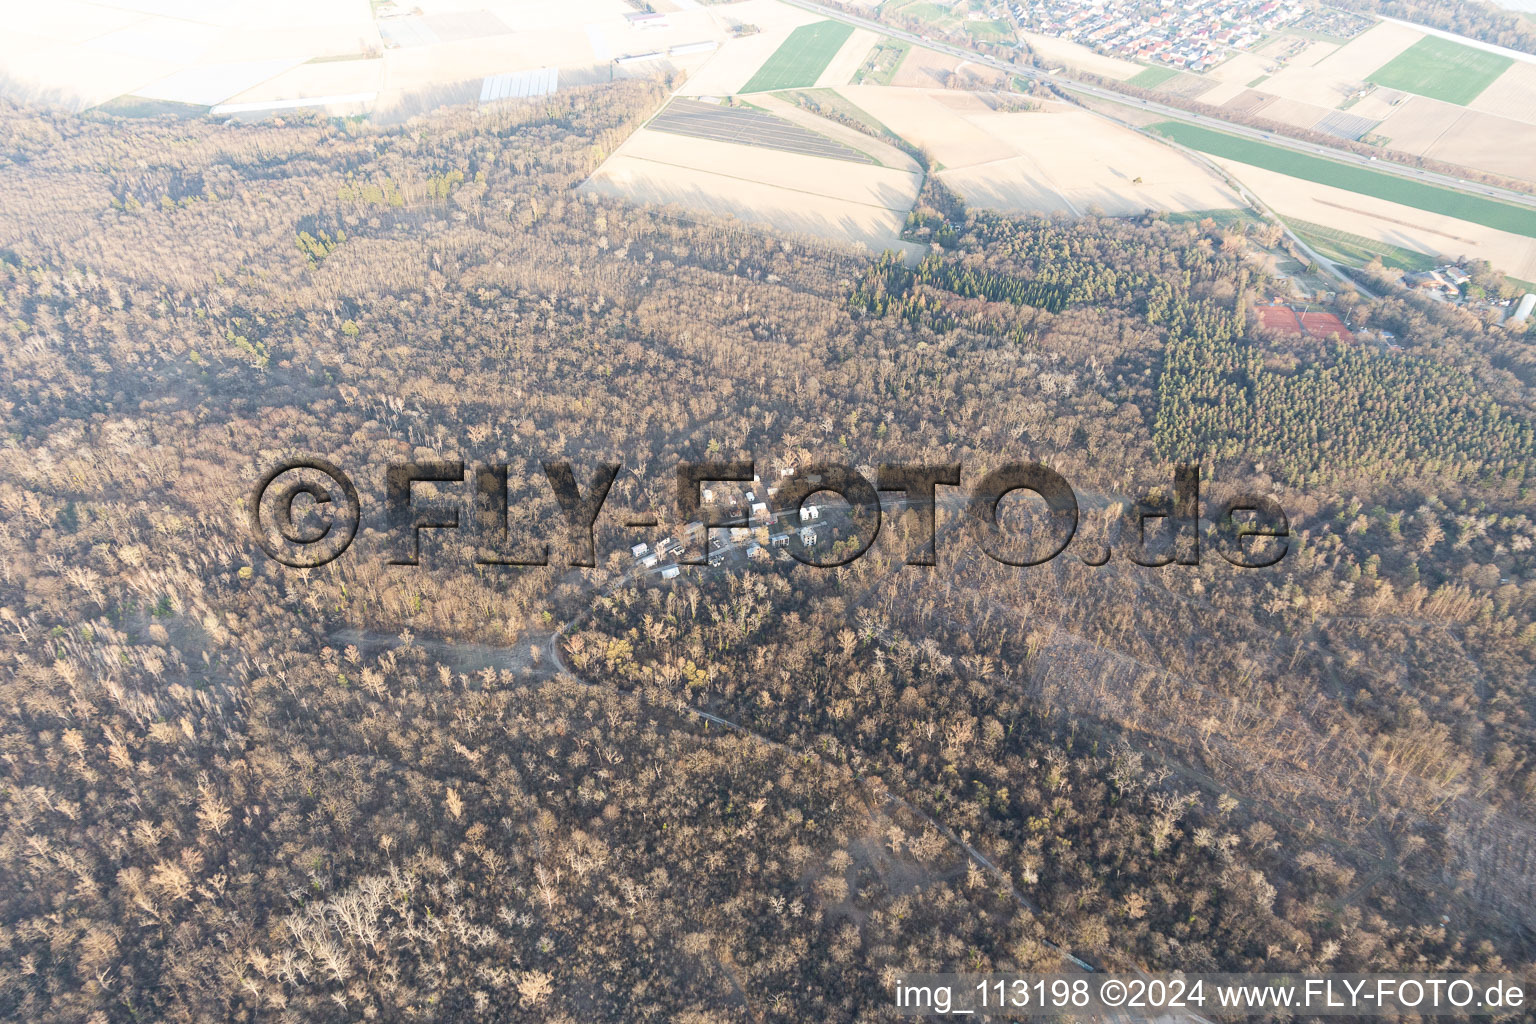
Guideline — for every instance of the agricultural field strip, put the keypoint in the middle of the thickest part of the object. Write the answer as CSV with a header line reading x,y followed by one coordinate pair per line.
x,y
766,185
749,128
1442,70
1419,195
800,59
1101,93
1345,126
1344,246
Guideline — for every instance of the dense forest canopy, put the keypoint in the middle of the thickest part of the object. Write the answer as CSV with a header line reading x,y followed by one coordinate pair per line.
x,y
234,790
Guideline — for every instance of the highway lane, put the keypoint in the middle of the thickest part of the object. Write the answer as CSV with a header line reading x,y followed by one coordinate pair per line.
x,y
1174,113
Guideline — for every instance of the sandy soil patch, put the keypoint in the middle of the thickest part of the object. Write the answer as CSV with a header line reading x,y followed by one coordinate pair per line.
x,y
1388,222
1415,125
831,199
1075,55
1512,95
1333,78
849,57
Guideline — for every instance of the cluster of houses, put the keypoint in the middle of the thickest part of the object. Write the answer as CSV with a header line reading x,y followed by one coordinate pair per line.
x,y
1442,283
1192,35
1447,283
753,528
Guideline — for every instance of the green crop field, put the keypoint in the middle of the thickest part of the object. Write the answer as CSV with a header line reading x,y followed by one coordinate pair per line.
x,y
1491,213
1357,250
1153,77
801,59
922,10
1225,218
883,62
989,31
1441,70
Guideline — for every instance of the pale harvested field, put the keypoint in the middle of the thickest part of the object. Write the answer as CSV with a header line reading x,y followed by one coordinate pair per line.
x,y
1224,92
1071,159
420,67
1076,55
1512,95
1241,67
1416,125
1314,54
732,65
544,33
831,199
1330,81
924,69
1388,222
1489,143
81,54
1380,103
70,76
887,155
332,78
848,58
1251,101
1291,112
1188,86
926,118
1061,158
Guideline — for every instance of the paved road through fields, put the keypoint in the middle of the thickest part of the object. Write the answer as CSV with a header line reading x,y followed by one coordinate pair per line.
x,y
1174,113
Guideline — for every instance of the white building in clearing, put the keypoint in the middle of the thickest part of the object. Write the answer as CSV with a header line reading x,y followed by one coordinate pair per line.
x,y
1523,309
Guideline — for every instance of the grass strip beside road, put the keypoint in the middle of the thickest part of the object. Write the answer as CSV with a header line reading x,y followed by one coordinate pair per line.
x,y
1361,180
1152,77
1356,250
